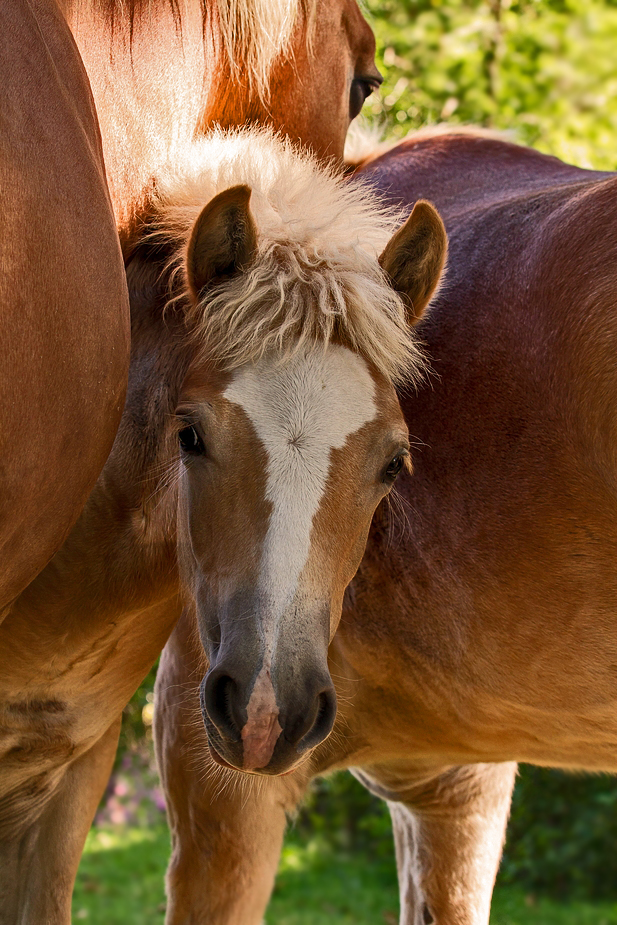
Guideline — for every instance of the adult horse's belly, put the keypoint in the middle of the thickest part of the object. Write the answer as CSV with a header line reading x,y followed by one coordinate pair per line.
x,y
434,716
63,299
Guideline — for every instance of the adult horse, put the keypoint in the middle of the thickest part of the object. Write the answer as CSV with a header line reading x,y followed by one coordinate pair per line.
x,y
162,71
479,629
64,345
259,311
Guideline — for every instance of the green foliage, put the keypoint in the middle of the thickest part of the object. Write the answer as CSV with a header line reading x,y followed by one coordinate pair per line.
x,y
136,717
562,836
542,68
341,813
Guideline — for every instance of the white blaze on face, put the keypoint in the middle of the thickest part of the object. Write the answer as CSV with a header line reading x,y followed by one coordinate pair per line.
x,y
301,411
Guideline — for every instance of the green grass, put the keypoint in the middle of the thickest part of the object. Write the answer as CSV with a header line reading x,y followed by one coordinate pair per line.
x,y
120,881
317,887
512,907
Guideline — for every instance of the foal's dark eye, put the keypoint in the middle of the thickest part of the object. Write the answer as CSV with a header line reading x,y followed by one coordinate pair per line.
x,y
394,467
361,88
190,441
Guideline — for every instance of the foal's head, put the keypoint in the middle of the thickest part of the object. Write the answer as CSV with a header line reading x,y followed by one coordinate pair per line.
x,y
289,427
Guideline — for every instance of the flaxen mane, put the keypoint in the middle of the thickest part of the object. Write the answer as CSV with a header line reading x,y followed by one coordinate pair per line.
x,y
315,278
248,35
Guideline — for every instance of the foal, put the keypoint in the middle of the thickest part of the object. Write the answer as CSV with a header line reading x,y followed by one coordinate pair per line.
x,y
484,630
260,432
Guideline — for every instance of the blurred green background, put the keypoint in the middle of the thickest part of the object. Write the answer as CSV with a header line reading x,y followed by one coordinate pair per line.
x,y
544,71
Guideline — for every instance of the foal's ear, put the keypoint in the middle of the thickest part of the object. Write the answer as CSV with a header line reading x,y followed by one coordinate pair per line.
x,y
415,256
223,240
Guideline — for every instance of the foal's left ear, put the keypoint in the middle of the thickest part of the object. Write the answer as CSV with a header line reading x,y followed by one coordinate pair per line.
x,y
415,256
223,240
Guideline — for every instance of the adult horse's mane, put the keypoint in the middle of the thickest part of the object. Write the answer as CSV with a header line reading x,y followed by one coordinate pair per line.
x,y
248,35
315,279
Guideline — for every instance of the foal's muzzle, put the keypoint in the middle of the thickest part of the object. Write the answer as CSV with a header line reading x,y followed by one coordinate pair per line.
x,y
261,727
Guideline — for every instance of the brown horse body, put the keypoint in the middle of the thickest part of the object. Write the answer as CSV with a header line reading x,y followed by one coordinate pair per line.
x,y
64,345
479,627
509,551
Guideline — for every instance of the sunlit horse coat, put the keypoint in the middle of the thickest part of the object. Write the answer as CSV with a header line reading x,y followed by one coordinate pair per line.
x,y
63,300
163,71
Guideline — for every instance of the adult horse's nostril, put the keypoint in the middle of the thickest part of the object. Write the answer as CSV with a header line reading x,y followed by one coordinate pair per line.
x,y
219,694
316,725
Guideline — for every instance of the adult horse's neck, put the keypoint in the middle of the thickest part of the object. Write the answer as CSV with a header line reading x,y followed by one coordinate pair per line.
x,y
164,70
147,75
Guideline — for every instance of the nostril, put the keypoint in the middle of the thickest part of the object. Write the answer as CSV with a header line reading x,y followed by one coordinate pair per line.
x,y
324,720
219,695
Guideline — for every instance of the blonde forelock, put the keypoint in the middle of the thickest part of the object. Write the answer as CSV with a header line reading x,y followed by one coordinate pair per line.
x,y
315,278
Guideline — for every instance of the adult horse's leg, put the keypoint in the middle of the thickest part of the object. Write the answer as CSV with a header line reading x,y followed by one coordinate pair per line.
x,y
39,861
449,829
227,828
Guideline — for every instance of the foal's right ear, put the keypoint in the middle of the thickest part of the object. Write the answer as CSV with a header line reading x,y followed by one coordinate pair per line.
x,y
223,240
414,258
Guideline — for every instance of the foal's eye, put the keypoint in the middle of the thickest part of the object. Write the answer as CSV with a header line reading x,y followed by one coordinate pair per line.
x,y
190,441
394,467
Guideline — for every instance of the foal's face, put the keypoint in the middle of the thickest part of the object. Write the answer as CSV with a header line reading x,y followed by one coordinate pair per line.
x,y
283,467
283,462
